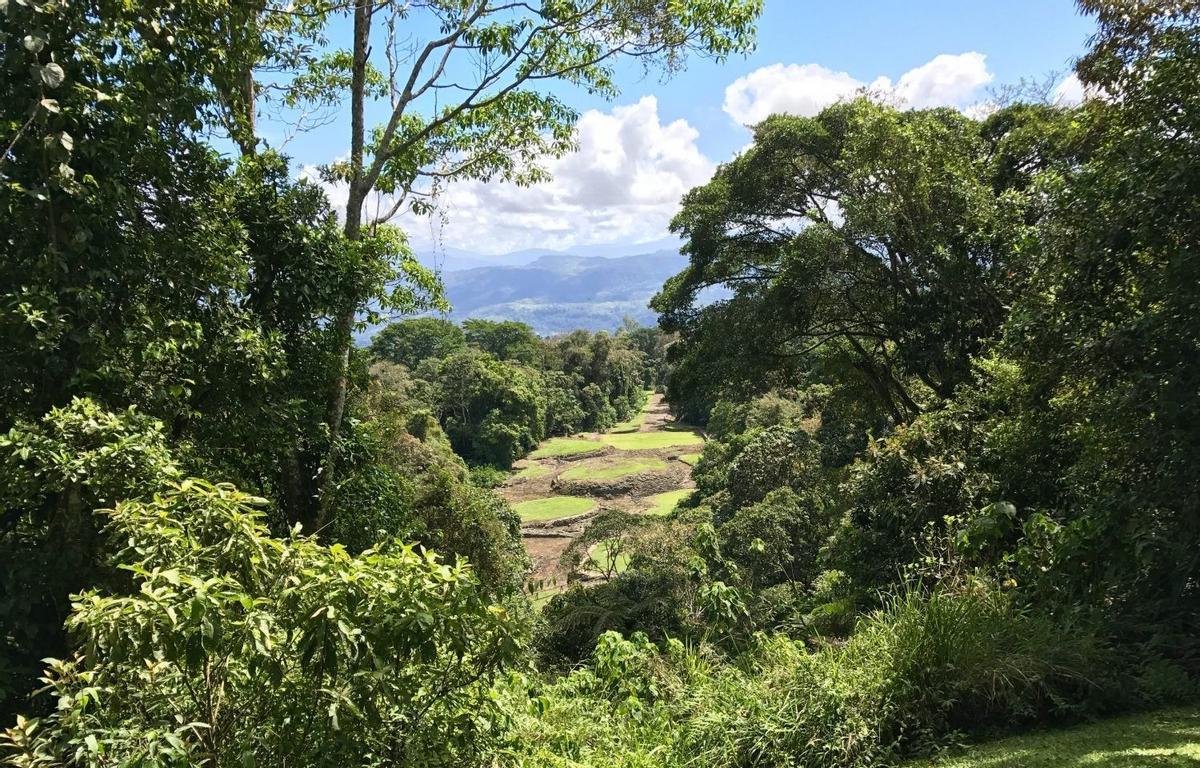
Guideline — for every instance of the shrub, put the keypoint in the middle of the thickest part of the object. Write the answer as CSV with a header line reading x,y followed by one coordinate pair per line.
x,y
777,457
917,672
53,473
487,476
778,539
236,648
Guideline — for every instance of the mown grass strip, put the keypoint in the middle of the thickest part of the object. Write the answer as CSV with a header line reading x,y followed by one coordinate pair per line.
x,y
565,446
690,458
632,425
532,471
651,441
665,503
553,508
1170,739
542,597
635,423
614,471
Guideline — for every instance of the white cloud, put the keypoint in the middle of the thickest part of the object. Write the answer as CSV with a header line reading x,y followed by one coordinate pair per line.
x,y
944,81
806,89
797,89
624,183
1070,91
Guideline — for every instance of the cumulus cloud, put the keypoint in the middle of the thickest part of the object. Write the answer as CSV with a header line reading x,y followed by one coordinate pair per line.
x,y
806,89
623,183
796,89
944,81
1070,91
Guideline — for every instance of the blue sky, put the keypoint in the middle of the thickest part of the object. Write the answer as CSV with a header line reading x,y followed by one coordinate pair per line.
x,y
643,149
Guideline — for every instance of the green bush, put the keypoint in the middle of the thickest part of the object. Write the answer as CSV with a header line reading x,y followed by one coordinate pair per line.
x,y
235,648
53,473
917,674
777,539
487,476
776,457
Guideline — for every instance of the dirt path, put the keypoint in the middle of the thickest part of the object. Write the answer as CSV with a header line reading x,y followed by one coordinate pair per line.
x,y
627,470
658,414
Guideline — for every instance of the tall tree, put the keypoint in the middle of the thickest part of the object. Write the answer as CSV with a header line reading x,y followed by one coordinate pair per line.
x,y
473,98
1110,335
875,233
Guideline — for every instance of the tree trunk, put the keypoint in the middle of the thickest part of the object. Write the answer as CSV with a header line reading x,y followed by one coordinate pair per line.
x,y
343,325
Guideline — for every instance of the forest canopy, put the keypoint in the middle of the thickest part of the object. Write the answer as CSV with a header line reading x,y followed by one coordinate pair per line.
x,y
946,366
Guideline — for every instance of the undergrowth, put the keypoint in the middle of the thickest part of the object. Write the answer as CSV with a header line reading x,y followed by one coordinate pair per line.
x,y
916,676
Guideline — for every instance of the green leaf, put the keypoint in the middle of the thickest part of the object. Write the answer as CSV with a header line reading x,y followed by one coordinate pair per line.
x,y
52,75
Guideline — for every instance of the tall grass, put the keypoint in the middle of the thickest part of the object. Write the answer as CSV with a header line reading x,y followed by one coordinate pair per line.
x,y
915,675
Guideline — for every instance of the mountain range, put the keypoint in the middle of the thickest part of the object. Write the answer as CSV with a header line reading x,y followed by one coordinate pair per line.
x,y
595,287
559,293
450,259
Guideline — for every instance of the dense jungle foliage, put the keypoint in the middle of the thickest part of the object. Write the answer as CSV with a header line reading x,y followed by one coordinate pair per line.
x,y
950,395
498,389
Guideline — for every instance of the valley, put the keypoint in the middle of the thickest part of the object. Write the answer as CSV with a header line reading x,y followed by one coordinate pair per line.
x,y
641,466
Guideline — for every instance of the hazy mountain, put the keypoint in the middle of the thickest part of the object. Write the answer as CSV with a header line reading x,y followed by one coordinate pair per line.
x,y
559,292
448,259
556,292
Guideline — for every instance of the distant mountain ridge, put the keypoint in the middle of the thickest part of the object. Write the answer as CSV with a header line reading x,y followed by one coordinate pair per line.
x,y
445,259
594,288
558,293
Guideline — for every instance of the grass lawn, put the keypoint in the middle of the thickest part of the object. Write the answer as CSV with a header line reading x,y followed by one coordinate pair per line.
x,y
634,424
690,459
1170,739
565,446
614,471
600,559
532,471
664,503
649,441
542,596
553,508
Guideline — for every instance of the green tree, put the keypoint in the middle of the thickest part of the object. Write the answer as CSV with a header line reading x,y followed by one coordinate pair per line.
x,y
504,339
492,410
410,342
1109,335
238,648
778,539
869,233
53,473
778,457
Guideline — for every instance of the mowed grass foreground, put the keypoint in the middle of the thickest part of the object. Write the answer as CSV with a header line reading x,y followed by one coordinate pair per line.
x,y
553,508
652,441
565,446
1167,739
614,471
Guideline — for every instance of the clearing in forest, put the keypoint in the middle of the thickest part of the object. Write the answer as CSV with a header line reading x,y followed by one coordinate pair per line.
x,y
642,465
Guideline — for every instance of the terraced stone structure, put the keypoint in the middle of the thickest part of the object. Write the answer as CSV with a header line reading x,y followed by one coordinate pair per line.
x,y
643,465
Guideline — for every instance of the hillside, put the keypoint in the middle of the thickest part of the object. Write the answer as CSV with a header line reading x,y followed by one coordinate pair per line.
x,y
558,293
